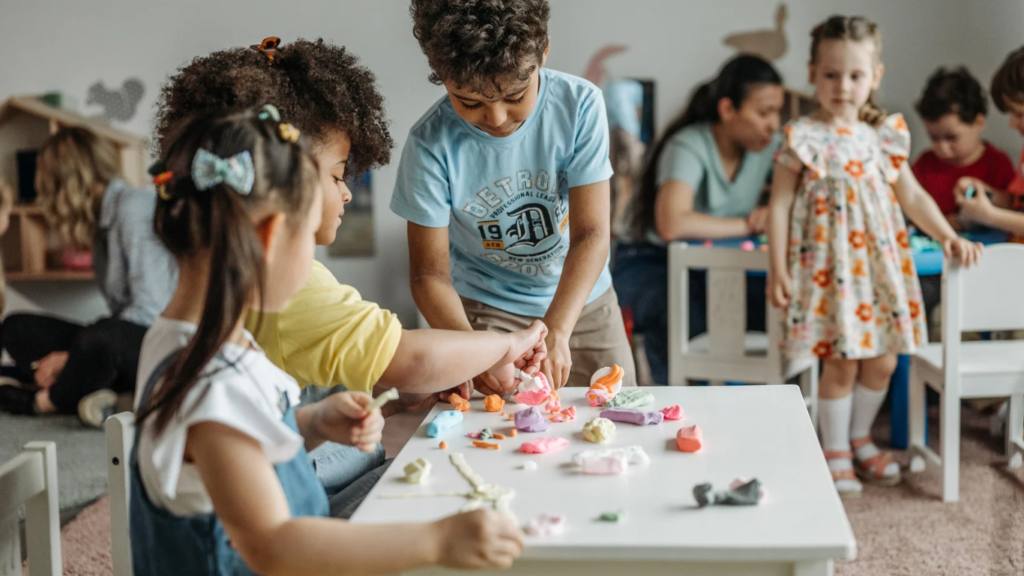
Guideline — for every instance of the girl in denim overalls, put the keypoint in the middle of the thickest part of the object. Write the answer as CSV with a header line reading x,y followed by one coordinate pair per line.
x,y
220,479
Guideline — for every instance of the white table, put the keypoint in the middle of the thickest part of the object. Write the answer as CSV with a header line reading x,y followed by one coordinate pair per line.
x,y
752,431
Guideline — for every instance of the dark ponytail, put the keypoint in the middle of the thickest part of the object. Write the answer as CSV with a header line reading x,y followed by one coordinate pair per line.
x,y
736,80
218,221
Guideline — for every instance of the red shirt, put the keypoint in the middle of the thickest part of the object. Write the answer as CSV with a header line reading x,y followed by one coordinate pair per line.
x,y
1016,187
939,178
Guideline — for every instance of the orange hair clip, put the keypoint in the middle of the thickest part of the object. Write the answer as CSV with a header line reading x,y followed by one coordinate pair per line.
x,y
268,47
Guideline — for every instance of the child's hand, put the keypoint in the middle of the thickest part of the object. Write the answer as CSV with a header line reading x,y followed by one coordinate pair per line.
x,y
780,286
526,351
478,540
978,207
558,361
966,252
757,221
49,368
343,418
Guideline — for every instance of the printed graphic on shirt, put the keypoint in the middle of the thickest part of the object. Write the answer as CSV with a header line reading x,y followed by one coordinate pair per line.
x,y
522,220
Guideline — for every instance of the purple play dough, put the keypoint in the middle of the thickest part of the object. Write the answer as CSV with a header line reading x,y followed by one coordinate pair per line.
x,y
531,420
633,416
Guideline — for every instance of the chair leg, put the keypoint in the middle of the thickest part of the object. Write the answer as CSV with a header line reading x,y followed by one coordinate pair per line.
x,y
949,438
1015,430
917,412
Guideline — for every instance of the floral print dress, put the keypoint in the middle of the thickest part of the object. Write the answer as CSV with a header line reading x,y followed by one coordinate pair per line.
x,y
855,291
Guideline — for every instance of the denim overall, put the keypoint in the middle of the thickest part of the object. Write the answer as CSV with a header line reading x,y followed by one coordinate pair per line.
x,y
165,544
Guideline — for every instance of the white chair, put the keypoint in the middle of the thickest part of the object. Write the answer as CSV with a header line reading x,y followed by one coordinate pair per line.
x,y
120,433
727,352
30,478
978,299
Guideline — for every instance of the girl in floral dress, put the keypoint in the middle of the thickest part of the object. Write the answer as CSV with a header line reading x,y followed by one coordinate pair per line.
x,y
841,264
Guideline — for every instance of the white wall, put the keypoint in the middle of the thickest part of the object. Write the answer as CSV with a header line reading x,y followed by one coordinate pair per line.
x,y
67,44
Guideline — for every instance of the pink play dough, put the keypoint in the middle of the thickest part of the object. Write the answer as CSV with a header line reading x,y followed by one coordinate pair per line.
x,y
543,445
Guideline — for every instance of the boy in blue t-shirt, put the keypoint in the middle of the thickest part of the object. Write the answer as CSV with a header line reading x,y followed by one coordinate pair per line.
x,y
490,179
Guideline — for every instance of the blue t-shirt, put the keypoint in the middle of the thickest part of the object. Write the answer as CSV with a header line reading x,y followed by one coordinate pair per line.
x,y
505,200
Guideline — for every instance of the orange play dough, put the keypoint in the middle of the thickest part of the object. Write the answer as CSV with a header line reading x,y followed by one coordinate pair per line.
x,y
493,403
485,445
459,403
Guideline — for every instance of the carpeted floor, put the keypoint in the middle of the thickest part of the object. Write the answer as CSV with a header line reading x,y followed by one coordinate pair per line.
x,y
81,453
905,530
908,530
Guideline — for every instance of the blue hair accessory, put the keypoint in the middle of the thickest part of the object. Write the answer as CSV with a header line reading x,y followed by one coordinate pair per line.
x,y
269,112
238,171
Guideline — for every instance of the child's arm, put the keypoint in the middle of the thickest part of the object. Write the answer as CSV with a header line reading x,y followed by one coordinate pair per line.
x,y
922,210
784,183
435,360
980,209
258,521
589,242
674,218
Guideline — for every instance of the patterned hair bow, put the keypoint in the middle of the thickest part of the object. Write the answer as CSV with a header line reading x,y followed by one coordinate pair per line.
x,y
208,170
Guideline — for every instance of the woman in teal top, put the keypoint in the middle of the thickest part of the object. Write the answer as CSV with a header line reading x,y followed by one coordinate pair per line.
x,y
705,179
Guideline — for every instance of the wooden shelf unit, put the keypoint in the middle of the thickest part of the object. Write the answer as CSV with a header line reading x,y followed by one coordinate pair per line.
x,y
25,247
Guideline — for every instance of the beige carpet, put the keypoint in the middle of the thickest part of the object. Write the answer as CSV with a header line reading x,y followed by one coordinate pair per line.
x,y
905,530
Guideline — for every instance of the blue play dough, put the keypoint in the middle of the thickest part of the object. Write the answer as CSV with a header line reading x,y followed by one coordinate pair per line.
x,y
443,422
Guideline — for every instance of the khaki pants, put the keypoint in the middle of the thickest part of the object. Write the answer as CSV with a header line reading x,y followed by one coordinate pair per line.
x,y
598,340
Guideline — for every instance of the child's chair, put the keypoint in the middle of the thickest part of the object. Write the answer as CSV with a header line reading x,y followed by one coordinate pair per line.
x,y
120,432
978,299
30,478
727,352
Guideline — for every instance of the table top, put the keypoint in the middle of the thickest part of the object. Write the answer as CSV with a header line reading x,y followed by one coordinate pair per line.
x,y
752,431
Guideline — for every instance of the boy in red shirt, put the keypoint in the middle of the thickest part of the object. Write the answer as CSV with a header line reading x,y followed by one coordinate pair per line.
x,y
953,108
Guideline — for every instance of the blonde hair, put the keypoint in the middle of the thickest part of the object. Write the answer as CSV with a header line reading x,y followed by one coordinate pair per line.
x,y
853,29
73,169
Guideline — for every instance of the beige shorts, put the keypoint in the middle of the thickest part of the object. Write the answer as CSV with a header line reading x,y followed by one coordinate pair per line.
x,y
598,340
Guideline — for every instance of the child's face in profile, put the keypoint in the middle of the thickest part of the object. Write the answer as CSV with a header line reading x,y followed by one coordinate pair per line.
x,y
954,141
1016,112
844,74
497,112
332,158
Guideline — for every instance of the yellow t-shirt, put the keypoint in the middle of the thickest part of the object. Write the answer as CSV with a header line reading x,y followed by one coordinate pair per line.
x,y
329,335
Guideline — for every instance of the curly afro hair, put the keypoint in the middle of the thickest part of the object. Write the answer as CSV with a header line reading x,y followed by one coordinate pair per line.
x,y
476,43
318,87
952,92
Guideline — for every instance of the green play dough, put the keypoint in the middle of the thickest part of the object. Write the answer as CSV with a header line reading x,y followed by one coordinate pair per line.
x,y
631,398
612,516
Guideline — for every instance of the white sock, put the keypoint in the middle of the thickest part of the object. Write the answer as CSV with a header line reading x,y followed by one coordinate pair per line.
x,y
866,403
834,419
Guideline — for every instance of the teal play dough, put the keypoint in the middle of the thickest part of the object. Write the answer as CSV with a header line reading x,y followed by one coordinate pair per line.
x,y
631,398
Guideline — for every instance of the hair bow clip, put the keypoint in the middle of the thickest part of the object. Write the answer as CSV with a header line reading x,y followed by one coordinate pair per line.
x,y
269,112
269,47
160,181
288,132
209,170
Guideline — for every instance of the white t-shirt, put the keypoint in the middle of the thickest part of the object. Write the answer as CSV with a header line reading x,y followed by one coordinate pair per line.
x,y
246,392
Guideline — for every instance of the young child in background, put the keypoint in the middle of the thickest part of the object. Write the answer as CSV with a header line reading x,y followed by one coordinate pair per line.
x,y
328,335
504,182
953,108
69,368
220,479
1008,94
841,264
